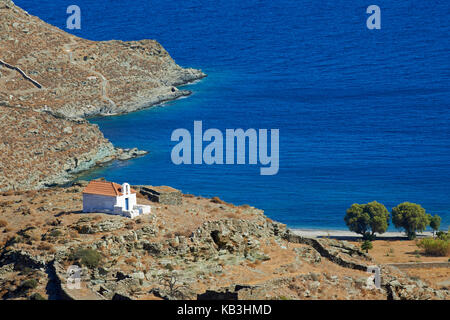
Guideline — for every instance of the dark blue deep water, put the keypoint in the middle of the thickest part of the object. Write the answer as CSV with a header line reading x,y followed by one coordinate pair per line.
x,y
363,114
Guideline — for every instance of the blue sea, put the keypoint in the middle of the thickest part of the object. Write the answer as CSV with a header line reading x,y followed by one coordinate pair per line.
x,y
363,114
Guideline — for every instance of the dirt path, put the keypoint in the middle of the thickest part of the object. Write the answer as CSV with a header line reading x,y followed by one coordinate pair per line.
x,y
68,48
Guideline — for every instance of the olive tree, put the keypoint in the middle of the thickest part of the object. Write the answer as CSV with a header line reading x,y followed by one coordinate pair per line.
x,y
367,219
435,222
411,217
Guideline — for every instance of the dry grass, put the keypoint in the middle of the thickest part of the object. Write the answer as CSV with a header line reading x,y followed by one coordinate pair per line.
x,y
232,215
439,278
130,225
217,200
399,251
131,260
3,223
45,246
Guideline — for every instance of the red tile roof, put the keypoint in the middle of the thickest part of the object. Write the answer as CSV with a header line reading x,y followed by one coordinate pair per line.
x,y
105,188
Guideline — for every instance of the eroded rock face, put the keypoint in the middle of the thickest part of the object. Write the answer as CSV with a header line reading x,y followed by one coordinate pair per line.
x,y
89,227
232,236
37,149
308,254
21,259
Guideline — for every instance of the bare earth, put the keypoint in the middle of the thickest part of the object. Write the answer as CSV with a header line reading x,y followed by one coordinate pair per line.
x,y
393,248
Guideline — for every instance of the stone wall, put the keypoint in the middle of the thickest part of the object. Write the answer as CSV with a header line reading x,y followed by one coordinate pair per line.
x,y
337,252
163,195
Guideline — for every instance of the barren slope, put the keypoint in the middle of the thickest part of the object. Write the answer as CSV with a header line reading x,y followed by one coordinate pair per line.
x,y
205,244
50,80
80,77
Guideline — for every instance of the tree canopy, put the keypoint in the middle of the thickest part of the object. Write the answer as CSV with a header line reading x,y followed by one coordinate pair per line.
x,y
411,217
435,222
367,219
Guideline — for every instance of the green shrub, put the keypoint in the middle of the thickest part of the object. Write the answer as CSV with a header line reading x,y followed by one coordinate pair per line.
x,y
366,245
443,235
435,247
36,296
55,233
28,284
168,267
87,257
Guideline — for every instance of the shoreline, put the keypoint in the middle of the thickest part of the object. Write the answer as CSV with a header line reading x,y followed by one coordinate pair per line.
x,y
349,235
75,176
148,104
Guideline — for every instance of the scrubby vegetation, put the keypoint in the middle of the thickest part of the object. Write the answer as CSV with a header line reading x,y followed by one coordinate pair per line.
x,y
435,247
37,296
439,246
28,285
87,257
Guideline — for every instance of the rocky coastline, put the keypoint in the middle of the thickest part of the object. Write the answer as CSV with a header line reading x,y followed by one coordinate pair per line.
x,y
52,81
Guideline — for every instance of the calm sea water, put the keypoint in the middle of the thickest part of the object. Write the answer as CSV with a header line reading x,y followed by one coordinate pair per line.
x,y
363,115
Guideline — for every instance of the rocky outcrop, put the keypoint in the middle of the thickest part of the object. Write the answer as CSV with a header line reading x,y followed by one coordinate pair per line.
x,y
339,252
235,236
308,254
401,287
162,195
21,260
40,150
86,226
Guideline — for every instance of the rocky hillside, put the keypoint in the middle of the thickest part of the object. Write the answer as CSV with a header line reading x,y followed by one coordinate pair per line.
x,y
77,77
37,149
201,249
51,80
